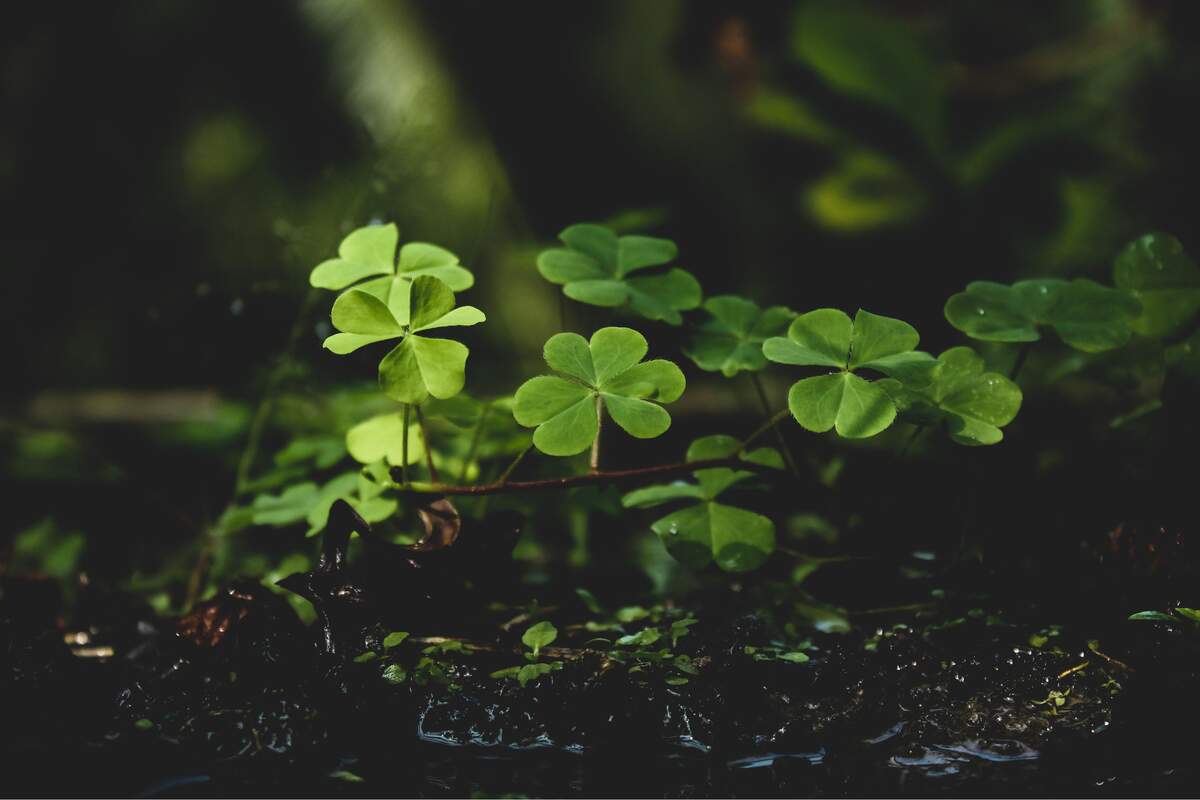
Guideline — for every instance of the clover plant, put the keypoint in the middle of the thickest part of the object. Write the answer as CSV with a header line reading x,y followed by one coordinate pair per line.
x,y
596,267
535,638
731,339
706,531
843,400
603,374
1156,271
1086,315
973,403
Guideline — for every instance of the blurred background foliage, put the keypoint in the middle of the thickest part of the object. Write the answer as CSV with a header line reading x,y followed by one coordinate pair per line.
x,y
174,170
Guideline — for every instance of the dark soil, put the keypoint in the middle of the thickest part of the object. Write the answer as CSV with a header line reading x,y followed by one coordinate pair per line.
x,y
240,698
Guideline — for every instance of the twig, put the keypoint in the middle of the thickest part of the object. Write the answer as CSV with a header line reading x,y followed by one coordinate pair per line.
x,y
570,481
512,467
1022,354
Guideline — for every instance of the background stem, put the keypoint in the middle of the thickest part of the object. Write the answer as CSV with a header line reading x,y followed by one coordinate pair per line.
x,y
404,446
433,473
786,451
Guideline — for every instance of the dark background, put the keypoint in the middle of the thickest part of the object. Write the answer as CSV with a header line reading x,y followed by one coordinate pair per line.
x,y
174,170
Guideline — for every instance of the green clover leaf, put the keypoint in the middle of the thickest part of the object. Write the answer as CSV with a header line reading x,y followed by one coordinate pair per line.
x,y
731,339
311,503
1086,315
855,407
370,252
608,370
418,366
381,438
973,403
705,531
1163,278
595,266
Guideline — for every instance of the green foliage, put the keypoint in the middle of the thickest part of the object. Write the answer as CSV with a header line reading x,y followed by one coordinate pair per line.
x,y
596,265
1155,270
1086,315
705,531
873,58
370,252
855,407
381,438
394,639
731,339
418,366
973,403
609,370
538,636
310,502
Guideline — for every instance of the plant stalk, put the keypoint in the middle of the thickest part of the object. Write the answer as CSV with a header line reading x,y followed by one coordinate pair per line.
x,y
788,458
594,461
476,438
404,446
1022,354
433,473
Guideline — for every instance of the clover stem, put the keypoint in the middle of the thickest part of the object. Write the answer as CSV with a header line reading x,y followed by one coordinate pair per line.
x,y
404,446
433,473
1022,354
594,461
774,420
473,450
788,458
508,471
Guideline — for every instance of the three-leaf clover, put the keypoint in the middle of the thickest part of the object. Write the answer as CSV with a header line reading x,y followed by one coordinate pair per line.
x,y
370,252
606,371
827,337
974,403
731,339
705,530
1086,315
419,366
1158,273
595,268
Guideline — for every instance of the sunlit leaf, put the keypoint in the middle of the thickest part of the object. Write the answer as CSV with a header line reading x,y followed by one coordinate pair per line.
x,y
608,367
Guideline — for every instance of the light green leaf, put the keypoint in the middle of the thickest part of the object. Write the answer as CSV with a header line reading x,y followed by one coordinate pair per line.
x,y
569,354
429,299
595,265
357,312
854,407
1157,272
540,399
614,350
731,339
876,338
650,496
382,438
819,338
643,638
538,636
365,252
1094,318
569,432
638,418
463,316
608,366
738,540
531,672
420,258
419,367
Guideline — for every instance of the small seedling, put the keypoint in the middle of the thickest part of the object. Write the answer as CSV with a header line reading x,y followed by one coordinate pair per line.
x,y
535,638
